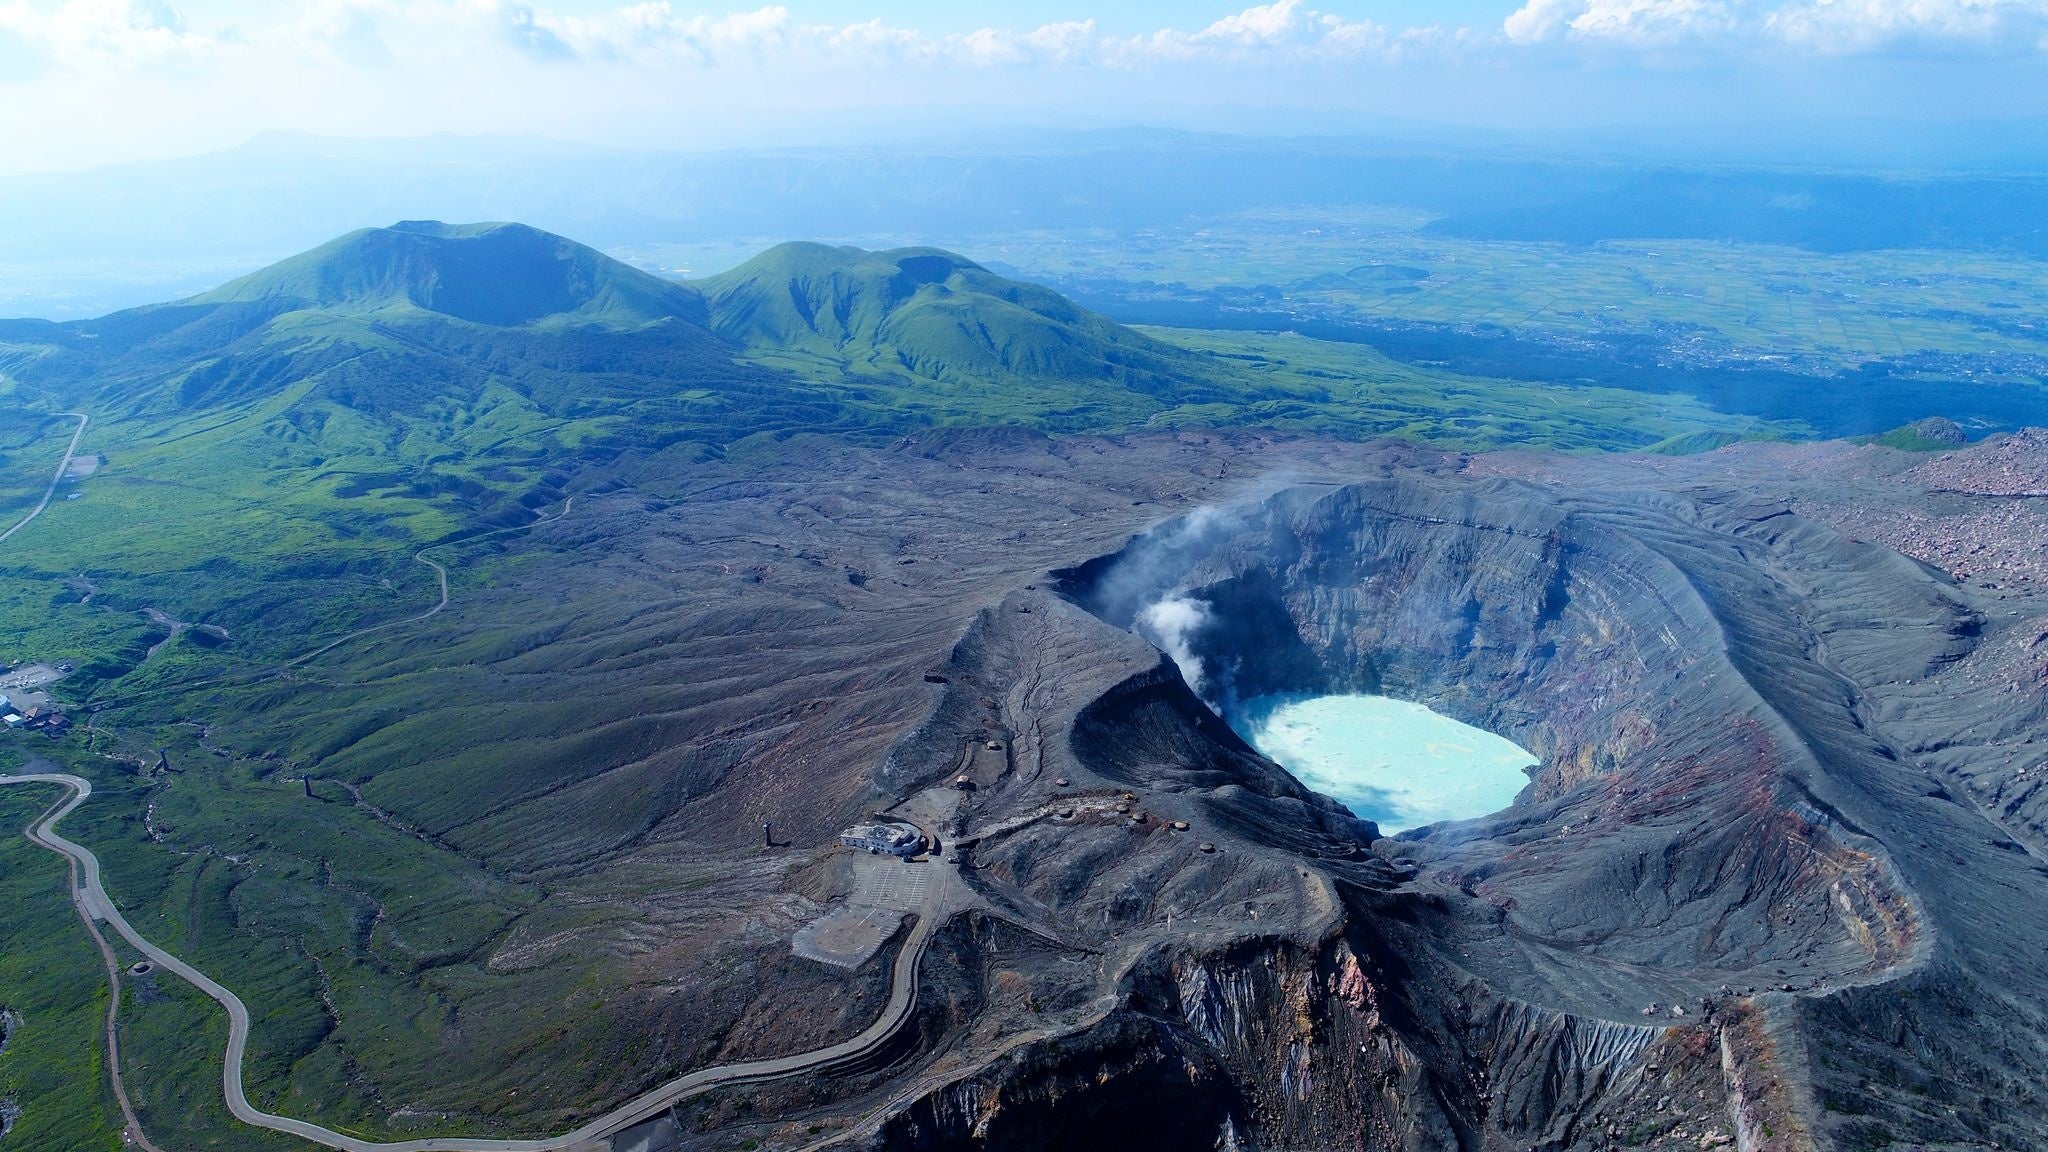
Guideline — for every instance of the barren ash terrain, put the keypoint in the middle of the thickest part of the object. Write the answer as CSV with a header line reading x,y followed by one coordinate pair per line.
x,y
1778,883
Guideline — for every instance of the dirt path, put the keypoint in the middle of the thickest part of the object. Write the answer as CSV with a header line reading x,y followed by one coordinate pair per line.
x,y
94,905
247,676
63,466
440,574
135,1134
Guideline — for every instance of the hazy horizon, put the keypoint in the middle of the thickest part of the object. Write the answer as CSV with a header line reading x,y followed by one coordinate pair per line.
x,y
99,239
158,147
91,82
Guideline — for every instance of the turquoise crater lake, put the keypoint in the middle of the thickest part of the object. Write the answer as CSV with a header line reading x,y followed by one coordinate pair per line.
x,y
1389,761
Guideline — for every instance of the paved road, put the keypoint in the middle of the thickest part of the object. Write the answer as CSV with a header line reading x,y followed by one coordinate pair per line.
x,y
63,466
135,1134
93,902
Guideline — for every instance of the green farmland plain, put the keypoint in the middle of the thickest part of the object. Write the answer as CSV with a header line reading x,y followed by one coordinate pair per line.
x,y
1823,310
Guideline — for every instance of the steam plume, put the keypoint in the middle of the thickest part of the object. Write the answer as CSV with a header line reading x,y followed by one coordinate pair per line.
x,y
1171,624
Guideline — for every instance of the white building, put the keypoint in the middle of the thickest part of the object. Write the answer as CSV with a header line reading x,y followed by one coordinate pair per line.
x,y
884,839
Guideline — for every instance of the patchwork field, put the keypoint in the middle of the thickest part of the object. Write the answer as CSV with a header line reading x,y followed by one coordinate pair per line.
x,y
1827,310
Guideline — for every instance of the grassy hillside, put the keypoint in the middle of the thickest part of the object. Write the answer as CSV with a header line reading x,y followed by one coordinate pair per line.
x,y
943,325
278,448
497,274
1931,435
51,981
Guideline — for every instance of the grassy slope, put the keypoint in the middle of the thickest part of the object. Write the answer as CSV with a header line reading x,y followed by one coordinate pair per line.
x,y
50,977
345,939
497,274
31,444
936,335
939,334
351,939
51,974
1920,437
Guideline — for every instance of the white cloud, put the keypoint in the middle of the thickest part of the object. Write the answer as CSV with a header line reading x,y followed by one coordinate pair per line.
x,y
868,43
344,31
1632,21
116,35
98,33
1283,30
1652,21
1833,27
1539,20
650,33
1064,42
1264,24
84,81
655,34
1845,26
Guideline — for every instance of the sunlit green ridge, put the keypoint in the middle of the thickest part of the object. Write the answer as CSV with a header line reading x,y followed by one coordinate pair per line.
x,y
930,315
500,275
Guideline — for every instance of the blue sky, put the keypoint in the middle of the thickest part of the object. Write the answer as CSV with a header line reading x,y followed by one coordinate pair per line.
x,y
94,81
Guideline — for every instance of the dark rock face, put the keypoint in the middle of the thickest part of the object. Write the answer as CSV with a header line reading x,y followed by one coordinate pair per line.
x,y
1077,1090
1940,430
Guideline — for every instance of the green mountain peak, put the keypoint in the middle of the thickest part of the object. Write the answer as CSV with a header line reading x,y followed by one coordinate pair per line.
x,y
930,314
500,275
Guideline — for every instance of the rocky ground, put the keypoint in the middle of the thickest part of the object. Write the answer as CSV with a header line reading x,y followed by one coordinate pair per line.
x,y
1768,888
1780,882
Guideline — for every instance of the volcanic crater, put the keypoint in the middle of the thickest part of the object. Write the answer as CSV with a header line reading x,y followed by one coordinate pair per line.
x,y
1732,905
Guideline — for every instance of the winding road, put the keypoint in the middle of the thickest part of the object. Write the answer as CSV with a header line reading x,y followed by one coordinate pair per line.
x,y
440,574
94,904
63,466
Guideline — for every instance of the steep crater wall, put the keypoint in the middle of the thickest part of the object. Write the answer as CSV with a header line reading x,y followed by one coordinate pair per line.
x,y
1667,829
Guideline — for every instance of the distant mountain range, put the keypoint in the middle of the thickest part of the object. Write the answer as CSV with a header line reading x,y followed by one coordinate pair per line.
x,y
399,323
83,241
482,371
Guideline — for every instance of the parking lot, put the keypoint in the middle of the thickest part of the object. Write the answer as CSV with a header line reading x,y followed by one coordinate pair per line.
x,y
884,889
